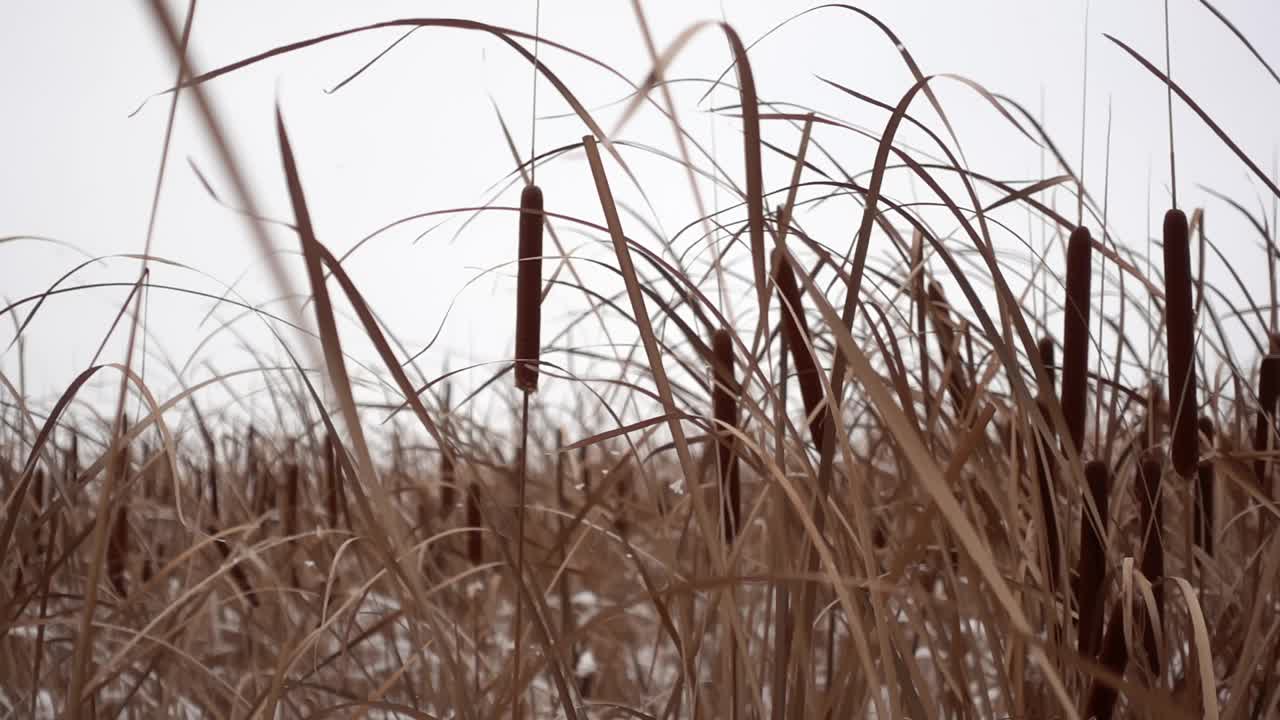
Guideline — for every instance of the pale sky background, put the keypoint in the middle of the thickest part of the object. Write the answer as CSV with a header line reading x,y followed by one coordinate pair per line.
x,y
417,133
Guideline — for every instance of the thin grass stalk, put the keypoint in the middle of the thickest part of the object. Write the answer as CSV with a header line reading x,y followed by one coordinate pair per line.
x,y
782,617
1090,593
1180,328
562,502
919,298
1206,481
1075,335
1151,516
724,404
46,579
448,473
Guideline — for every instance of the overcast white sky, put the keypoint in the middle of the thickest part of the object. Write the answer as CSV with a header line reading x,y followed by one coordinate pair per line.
x,y
417,133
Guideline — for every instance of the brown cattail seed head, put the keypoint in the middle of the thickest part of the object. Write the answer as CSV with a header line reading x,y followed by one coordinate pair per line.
x,y
795,328
724,402
1184,442
1075,334
529,290
1046,351
475,541
1268,394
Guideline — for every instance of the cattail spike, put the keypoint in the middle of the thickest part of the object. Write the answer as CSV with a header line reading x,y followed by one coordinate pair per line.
x,y
118,549
1045,349
475,540
795,330
724,403
529,290
1075,335
1268,394
1185,445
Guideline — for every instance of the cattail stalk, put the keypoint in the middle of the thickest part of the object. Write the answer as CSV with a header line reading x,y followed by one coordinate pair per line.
x,y
1075,335
562,502
1185,442
1092,572
724,403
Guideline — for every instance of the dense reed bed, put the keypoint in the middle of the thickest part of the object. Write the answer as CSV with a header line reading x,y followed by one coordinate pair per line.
x,y
803,479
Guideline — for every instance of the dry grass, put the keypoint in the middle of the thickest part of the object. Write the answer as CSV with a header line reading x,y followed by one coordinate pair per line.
x,y
931,532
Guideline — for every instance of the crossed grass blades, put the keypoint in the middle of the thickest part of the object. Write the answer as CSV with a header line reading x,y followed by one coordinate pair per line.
x,y
932,531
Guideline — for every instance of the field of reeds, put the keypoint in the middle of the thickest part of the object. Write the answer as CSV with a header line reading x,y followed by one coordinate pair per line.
x,y
922,465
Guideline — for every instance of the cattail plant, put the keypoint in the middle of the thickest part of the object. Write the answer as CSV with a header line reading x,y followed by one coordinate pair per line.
x,y
529,290
1092,571
1075,336
1151,516
724,403
118,549
475,538
1045,350
795,333
1180,327
528,347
